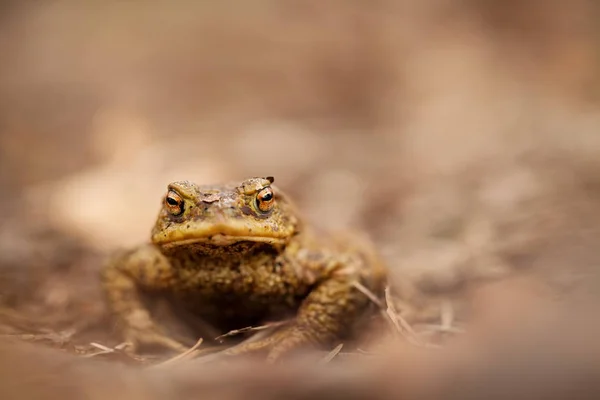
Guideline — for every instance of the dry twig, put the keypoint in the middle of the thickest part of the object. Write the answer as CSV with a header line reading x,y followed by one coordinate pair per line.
x,y
402,327
390,314
189,353
369,294
104,349
331,355
251,329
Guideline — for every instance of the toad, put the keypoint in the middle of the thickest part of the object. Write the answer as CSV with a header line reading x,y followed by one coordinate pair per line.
x,y
240,254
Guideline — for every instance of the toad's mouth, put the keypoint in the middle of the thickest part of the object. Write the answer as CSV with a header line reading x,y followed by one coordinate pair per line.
x,y
221,240
221,235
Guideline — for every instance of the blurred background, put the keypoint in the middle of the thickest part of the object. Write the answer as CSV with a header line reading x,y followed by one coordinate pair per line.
x,y
461,135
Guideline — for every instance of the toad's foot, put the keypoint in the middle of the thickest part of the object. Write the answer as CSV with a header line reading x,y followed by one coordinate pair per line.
x,y
125,274
324,317
278,345
152,338
142,332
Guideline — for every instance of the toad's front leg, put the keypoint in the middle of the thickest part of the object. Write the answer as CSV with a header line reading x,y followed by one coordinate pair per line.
x,y
124,277
326,315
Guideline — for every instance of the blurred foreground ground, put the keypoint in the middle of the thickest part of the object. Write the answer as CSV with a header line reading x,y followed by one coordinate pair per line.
x,y
462,136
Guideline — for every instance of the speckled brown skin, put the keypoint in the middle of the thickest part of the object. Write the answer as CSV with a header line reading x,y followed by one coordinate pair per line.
x,y
236,255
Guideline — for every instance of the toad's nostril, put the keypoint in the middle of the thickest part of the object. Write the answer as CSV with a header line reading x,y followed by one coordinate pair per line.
x,y
210,198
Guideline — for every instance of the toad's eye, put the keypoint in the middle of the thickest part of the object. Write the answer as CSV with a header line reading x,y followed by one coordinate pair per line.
x,y
174,203
264,199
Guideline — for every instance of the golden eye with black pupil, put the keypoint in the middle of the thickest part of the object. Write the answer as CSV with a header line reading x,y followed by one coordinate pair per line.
x,y
265,199
174,203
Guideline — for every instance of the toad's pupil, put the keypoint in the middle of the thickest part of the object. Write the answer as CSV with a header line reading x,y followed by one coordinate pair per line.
x,y
171,201
267,197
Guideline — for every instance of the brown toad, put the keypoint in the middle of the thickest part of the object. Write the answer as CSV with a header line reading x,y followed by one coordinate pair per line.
x,y
239,254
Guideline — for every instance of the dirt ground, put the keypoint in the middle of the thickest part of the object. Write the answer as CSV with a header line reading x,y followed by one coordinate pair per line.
x,y
462,136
